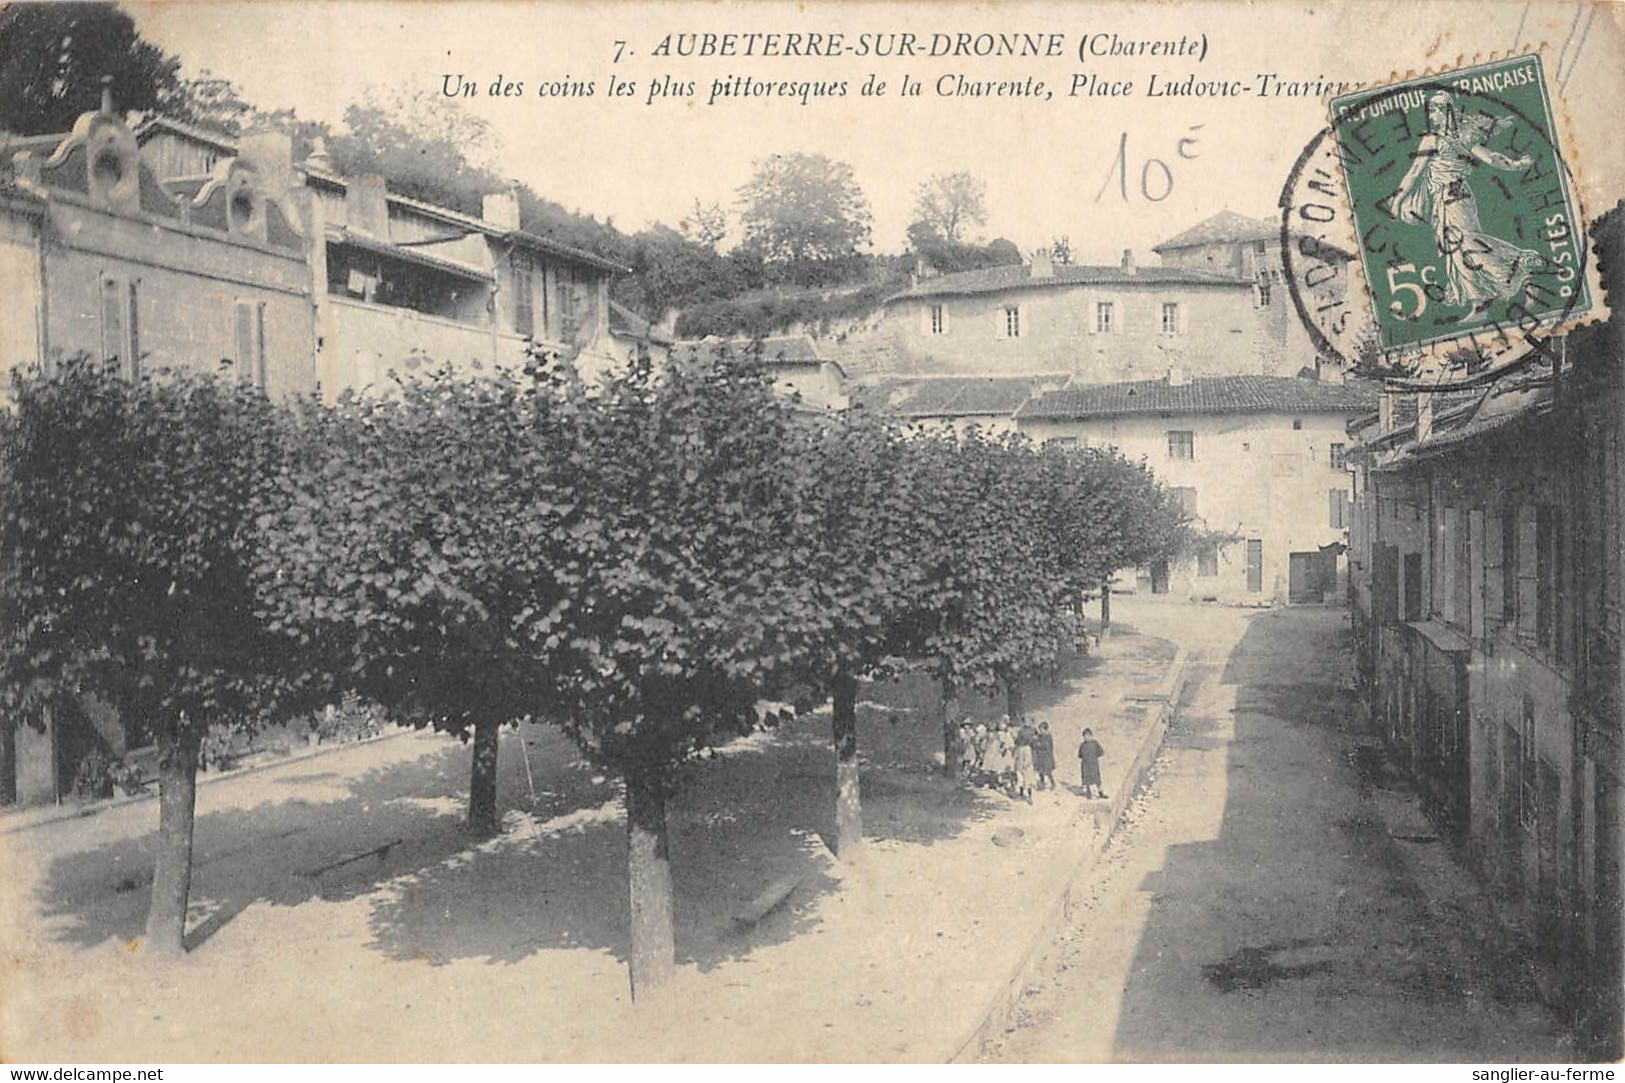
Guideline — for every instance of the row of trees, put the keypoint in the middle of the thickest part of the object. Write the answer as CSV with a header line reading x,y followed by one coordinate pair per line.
x,y
645,562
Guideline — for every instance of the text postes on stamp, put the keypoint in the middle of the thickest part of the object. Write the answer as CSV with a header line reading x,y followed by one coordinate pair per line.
x,y
1455,195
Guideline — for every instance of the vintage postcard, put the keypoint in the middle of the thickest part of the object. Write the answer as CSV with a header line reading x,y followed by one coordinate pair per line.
x,y
556,531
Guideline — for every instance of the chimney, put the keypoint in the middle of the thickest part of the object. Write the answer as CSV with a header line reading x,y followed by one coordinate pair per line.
x,y
270,153
501,209
318,159
1043,265
1128,262
107,95
1424,415
1177,377
1385,411
366,206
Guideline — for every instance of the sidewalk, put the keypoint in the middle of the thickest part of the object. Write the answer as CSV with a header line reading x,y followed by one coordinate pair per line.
x,y
341,914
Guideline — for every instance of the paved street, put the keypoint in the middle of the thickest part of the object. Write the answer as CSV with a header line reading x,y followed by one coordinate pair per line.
x,y
1259,905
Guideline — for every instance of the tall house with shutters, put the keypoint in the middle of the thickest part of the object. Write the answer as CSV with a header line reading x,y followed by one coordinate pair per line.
x,y
1258,463
100,258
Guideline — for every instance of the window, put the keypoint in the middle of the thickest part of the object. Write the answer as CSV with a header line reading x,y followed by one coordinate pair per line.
x,y
1104,321
1412,587
938,319
1337,502
1012,321
1207,562
1297,424
1185,497
1258,246
248,357
1181,445
524,298
121,331
1339,456
1170,318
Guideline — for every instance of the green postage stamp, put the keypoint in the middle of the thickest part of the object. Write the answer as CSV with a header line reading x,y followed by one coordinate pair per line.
x,y
1464,209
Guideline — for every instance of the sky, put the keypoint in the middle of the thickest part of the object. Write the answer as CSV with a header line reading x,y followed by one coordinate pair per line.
x,y
1056,167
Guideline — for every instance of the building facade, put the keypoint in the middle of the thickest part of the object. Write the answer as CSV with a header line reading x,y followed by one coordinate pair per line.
x,y
103,260
1258,462
1217,305
157,245
1487,563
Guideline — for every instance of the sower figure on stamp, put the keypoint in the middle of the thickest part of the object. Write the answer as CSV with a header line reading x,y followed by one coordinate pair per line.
x,y
1089,753
1478,266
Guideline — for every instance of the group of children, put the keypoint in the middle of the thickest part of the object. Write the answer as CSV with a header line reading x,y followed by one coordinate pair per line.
x,y
1018,757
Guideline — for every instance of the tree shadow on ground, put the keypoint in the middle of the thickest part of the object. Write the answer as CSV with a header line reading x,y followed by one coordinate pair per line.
x,y
1297,930
359,833
748,825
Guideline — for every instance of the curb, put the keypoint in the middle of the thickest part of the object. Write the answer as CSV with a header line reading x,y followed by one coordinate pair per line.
x,y
82,812
1002,1005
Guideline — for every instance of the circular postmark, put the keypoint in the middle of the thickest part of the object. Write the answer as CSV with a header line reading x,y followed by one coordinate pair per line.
x,y
1431,228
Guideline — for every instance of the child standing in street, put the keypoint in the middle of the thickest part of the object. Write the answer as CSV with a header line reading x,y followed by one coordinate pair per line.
x,y
1044,756
1089,754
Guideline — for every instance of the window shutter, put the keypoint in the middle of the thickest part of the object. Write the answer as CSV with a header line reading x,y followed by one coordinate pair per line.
x,y
1475,571
261,365
945,319
1021,321
243,357
113,322
1493,603
133,366
1528,570
1335,499
925,320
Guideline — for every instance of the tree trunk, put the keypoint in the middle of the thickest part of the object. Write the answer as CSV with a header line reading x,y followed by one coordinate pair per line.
x,y
1105,606
177,809
482,778
950,729
1015,703
648,866
8,761
848,799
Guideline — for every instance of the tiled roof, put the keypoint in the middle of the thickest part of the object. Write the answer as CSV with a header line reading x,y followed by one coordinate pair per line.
x,y
1020,277
776,349
1224,227
1202,395
952,396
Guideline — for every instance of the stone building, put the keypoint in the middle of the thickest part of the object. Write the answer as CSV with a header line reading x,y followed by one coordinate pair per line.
x,y
1487,569
1217,305
1258,462
99,257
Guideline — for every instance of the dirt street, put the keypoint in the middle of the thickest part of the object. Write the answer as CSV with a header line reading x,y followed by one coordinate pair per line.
x,y
1260,903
